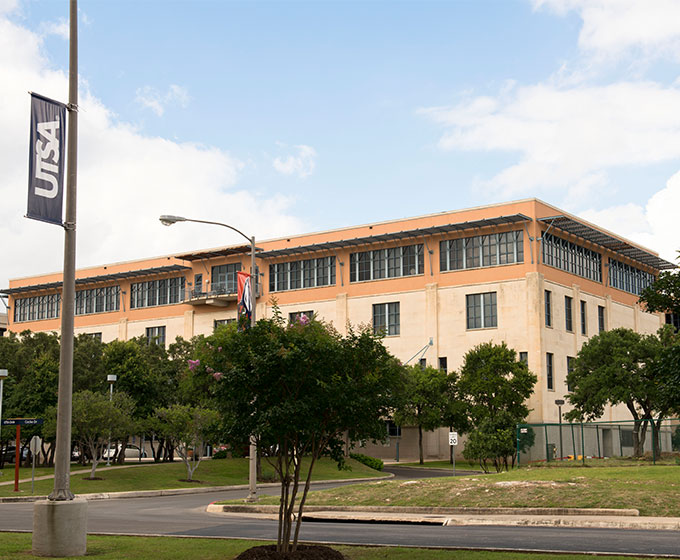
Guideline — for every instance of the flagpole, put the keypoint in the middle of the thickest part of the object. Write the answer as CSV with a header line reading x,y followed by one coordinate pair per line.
x,y
60,522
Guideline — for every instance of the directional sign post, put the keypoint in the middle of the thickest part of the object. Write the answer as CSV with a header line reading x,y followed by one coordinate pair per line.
x,y
453,441
18,422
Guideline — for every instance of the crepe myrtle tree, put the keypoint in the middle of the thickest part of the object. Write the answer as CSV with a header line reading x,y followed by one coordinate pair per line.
x,y
96,418
188,428
299,388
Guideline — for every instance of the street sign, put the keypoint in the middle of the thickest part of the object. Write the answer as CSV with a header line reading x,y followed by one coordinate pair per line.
x,y
35,444
22,421
453,438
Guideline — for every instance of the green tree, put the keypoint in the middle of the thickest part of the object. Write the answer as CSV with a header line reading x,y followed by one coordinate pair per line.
x,y
664,294
89,371
495,386
96,419
188,428
299,389
422,401
616,367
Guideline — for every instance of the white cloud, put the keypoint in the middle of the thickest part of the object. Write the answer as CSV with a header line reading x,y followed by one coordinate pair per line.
x,y
125,180
566,138
612,28
301,164
153,99
653,226
60,28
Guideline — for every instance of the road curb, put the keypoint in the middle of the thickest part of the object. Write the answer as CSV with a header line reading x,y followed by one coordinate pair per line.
x,y
180,491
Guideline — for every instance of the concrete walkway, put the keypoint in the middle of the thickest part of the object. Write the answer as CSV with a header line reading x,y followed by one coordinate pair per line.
x,y
454,517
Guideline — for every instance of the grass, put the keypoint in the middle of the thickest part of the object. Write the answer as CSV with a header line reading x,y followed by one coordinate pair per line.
x,y
653,490
159,476
17,546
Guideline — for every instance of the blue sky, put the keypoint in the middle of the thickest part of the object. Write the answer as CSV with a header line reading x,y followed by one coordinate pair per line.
x,y
287,117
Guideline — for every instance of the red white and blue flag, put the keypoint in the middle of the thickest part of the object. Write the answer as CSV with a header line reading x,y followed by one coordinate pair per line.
x,y
243,293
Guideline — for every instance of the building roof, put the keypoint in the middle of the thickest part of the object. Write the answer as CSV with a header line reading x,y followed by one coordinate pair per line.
x,y
98,279
396,236
212,253
589,233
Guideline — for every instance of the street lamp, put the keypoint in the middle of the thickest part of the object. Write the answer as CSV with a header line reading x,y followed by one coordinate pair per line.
x,y
3,376
168,220
111,379
559,403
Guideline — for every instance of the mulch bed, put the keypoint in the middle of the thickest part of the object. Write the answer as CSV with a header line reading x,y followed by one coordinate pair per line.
x,y
303,552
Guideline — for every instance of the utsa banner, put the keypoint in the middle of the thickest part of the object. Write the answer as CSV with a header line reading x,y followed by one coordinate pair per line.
x,y
243,293
46,159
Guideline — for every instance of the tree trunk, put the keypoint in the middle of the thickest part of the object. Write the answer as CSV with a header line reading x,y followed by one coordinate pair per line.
x,y
420,443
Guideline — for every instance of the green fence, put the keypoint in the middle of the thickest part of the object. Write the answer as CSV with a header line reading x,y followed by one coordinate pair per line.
x,y
578,441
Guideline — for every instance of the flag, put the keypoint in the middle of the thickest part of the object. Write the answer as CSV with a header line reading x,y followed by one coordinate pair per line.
x,y
243,293
46,160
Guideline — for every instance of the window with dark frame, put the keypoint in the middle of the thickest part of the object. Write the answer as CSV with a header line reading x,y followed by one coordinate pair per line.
x,y
601,325
218,322
570,368
386,318
481,251
548,308
481,311
584,319
392,429
524,358
443,364
155,335
422,363
295,316
395,262
549,371
568,314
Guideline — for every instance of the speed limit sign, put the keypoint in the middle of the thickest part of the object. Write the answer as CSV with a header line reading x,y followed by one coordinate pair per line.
x,y
453,438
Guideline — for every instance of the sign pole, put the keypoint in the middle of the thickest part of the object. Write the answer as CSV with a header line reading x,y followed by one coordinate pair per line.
x,y
17,453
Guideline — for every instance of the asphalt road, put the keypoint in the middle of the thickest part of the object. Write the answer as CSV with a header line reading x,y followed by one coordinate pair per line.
x,y
186,515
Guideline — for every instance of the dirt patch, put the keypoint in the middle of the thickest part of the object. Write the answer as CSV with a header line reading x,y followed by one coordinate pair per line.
x,y
95,478
192,481
303,552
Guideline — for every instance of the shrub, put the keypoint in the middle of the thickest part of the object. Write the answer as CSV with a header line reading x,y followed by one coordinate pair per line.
x,y
221,454
371,462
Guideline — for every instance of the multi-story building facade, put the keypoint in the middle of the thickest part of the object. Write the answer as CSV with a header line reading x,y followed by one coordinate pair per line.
x,y
524,272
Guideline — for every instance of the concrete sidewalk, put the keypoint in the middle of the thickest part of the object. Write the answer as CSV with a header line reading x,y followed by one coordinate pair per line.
x,y
448,517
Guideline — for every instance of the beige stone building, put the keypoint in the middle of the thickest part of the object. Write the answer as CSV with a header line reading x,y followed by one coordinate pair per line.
x,y
523,272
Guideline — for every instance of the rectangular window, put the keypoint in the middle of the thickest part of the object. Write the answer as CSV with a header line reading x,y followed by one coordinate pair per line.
x,y
584,319
198,285
422,363
386,263
308,273
297,315
218,322
95,336
386,318
549,371
571,258
393,430
673,319
524,357
37,308
568,314
600,319
97,300
548,308
443,364
628,278
155,335
481,251
570,368
155,292
223,278
481,310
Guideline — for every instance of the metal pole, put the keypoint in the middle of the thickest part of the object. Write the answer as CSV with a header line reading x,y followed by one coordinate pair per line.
x,y
17,458
108,447
3,374
559,408
62,465
252,461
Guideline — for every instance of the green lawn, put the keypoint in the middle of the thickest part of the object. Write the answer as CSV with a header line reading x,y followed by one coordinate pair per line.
x,y
17,546
654,490
150,476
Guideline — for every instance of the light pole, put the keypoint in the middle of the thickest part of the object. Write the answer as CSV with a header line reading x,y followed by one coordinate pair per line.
x,y
559,403
168,220
111,379
3,376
